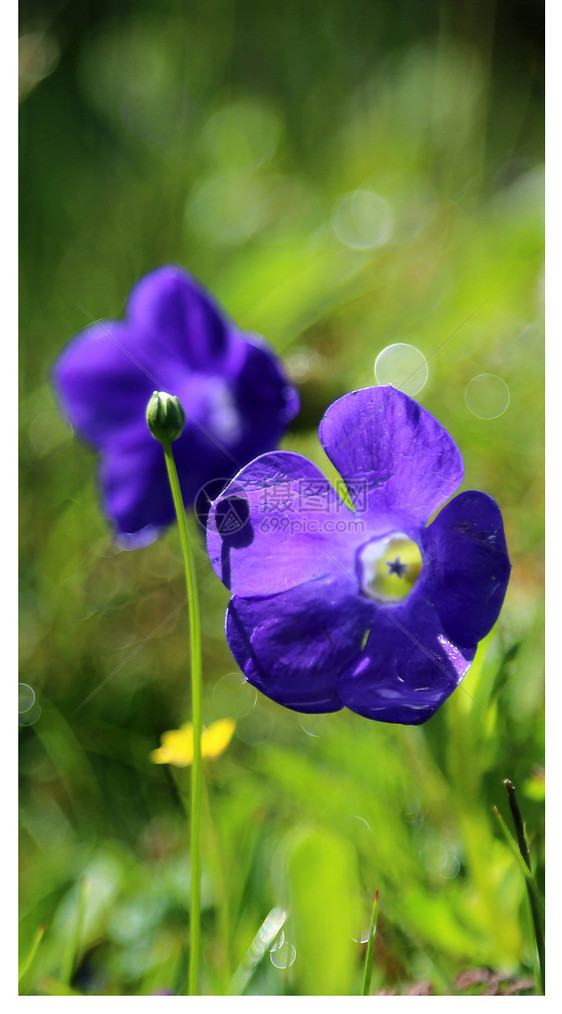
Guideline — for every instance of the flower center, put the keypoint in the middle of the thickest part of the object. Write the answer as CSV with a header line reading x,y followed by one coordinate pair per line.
x,y
388,567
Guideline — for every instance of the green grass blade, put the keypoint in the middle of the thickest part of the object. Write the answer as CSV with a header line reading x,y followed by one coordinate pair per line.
x,y
370,947
521,853
529,879
73,945
323,885
26,965
261,943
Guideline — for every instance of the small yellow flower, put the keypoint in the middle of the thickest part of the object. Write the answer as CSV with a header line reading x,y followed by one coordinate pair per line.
x,y
177,744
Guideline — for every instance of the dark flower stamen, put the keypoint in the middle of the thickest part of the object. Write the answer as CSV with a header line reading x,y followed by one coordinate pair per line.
x,y
396,567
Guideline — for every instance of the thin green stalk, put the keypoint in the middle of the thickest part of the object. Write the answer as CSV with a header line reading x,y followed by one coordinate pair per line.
x,y
527,875
33,951
196,718
219,861
370,947
221,874
261,943
524,850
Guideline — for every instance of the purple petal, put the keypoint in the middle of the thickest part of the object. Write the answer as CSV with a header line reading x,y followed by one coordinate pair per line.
x,y
183,321
408,668
467,566
293,646
136,492
102,382
267,401
392,454
279,523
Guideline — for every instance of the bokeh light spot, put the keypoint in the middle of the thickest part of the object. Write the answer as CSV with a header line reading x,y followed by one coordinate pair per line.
x,y
38,57
234,696
31,715
26,698
228,208
403,366
487,396
284,956
363,220
244,133
313,725
451,868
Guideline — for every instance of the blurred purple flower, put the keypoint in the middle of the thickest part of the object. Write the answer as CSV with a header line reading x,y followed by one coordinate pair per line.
x,y
236,397
317,621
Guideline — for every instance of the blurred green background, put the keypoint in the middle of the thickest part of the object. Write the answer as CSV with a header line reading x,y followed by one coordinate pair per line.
x,y
344,177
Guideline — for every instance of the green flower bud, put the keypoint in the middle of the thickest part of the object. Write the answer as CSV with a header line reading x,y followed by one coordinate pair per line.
x,y
165,417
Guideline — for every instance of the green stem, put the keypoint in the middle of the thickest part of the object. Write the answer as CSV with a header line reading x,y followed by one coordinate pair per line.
x,y
221,877
196,694
370,947
524,850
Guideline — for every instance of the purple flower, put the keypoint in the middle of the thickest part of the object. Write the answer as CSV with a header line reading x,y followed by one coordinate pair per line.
x,y
372,608
236,397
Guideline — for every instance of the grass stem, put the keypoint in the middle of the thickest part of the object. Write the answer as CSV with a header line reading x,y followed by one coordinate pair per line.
x,y
530,883
370,947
